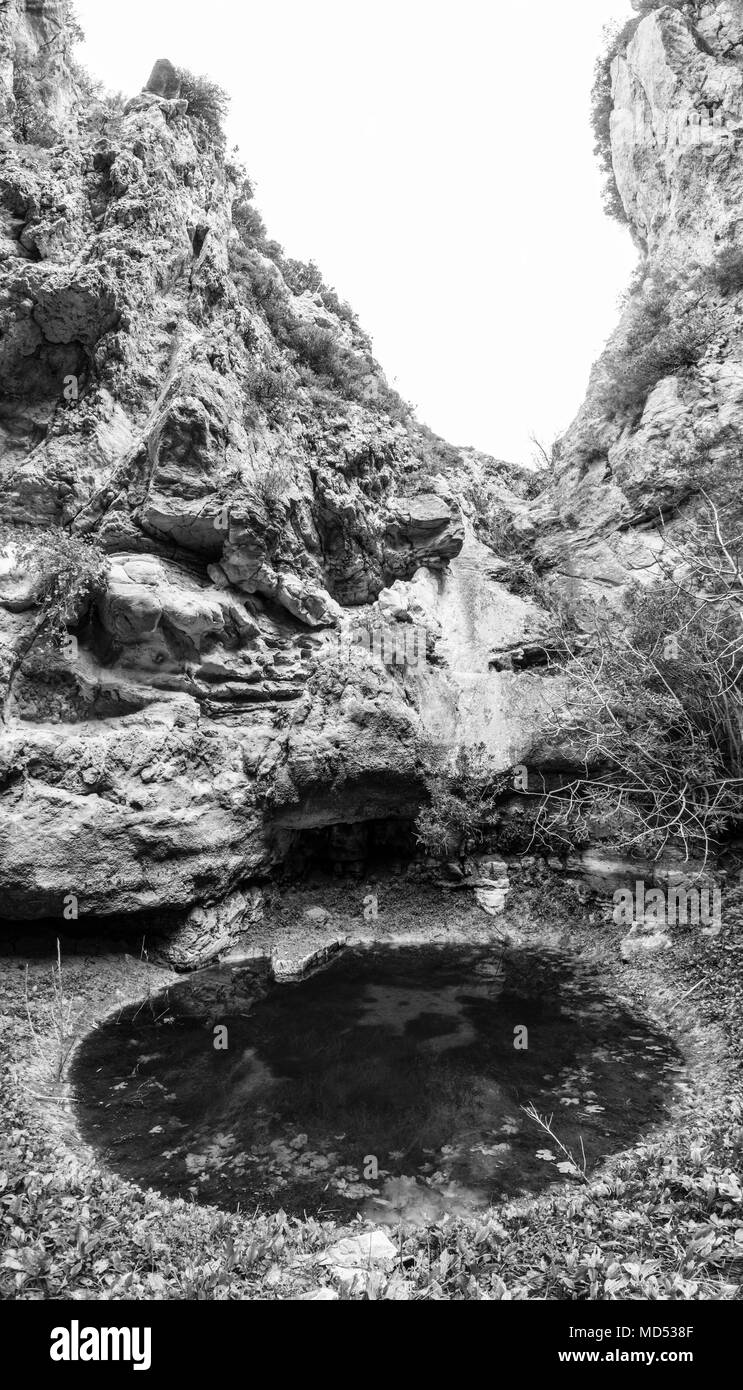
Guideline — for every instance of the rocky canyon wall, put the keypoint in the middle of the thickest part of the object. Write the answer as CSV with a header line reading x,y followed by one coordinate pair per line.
x,y
664,408
182,399
208,416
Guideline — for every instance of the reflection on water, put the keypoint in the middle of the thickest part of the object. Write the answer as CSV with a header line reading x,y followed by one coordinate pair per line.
x,y
392,1083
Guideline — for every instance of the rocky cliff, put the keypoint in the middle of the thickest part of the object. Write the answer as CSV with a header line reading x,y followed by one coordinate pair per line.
x,y
214,506
664,408
182,399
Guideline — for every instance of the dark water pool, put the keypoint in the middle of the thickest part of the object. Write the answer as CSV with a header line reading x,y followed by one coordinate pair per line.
x,y
389,1084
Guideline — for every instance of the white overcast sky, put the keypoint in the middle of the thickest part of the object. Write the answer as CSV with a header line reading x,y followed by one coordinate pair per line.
x,y
435,158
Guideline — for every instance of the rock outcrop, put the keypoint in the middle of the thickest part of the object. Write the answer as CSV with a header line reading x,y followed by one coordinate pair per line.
x,y
664,408
209,416
183,399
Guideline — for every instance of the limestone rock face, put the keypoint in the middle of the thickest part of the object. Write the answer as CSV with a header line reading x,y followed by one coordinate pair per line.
x,y
677,119
34,57
207,412
628,462
130,815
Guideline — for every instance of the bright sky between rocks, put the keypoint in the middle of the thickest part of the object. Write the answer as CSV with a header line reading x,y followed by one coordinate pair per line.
x,y
435,159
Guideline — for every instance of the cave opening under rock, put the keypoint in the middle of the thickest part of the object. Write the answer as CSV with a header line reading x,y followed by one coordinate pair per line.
x,y
351,850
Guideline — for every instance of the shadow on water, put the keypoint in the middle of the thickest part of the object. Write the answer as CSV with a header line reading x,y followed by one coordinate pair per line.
x,y
392,1083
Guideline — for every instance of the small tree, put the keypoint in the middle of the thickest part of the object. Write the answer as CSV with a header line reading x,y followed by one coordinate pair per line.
x,y
31,121
302,276
463,796
66,573
207,102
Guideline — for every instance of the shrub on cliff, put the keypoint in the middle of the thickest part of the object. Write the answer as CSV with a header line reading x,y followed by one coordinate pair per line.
x,y
463,797
207,102
727,271
302,277
31,121
305,276
104,113
65,573
657,703
271,484
661,336
249,223
322,356
267,387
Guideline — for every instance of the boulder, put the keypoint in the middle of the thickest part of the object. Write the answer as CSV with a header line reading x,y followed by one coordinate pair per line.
x,y
488,875
360,1254
164,80
491,900
209,932
290,969
318,916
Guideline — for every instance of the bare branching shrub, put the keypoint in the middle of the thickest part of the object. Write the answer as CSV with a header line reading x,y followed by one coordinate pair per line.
x,y
272,483
64,1023
546,459
656,703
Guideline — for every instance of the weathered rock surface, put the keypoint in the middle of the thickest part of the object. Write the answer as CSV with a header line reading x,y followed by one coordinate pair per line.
x,y
212,418
209,932
35,54
627,479
206,411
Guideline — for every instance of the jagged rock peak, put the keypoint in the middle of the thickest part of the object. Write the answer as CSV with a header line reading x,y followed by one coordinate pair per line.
x,y
164,80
